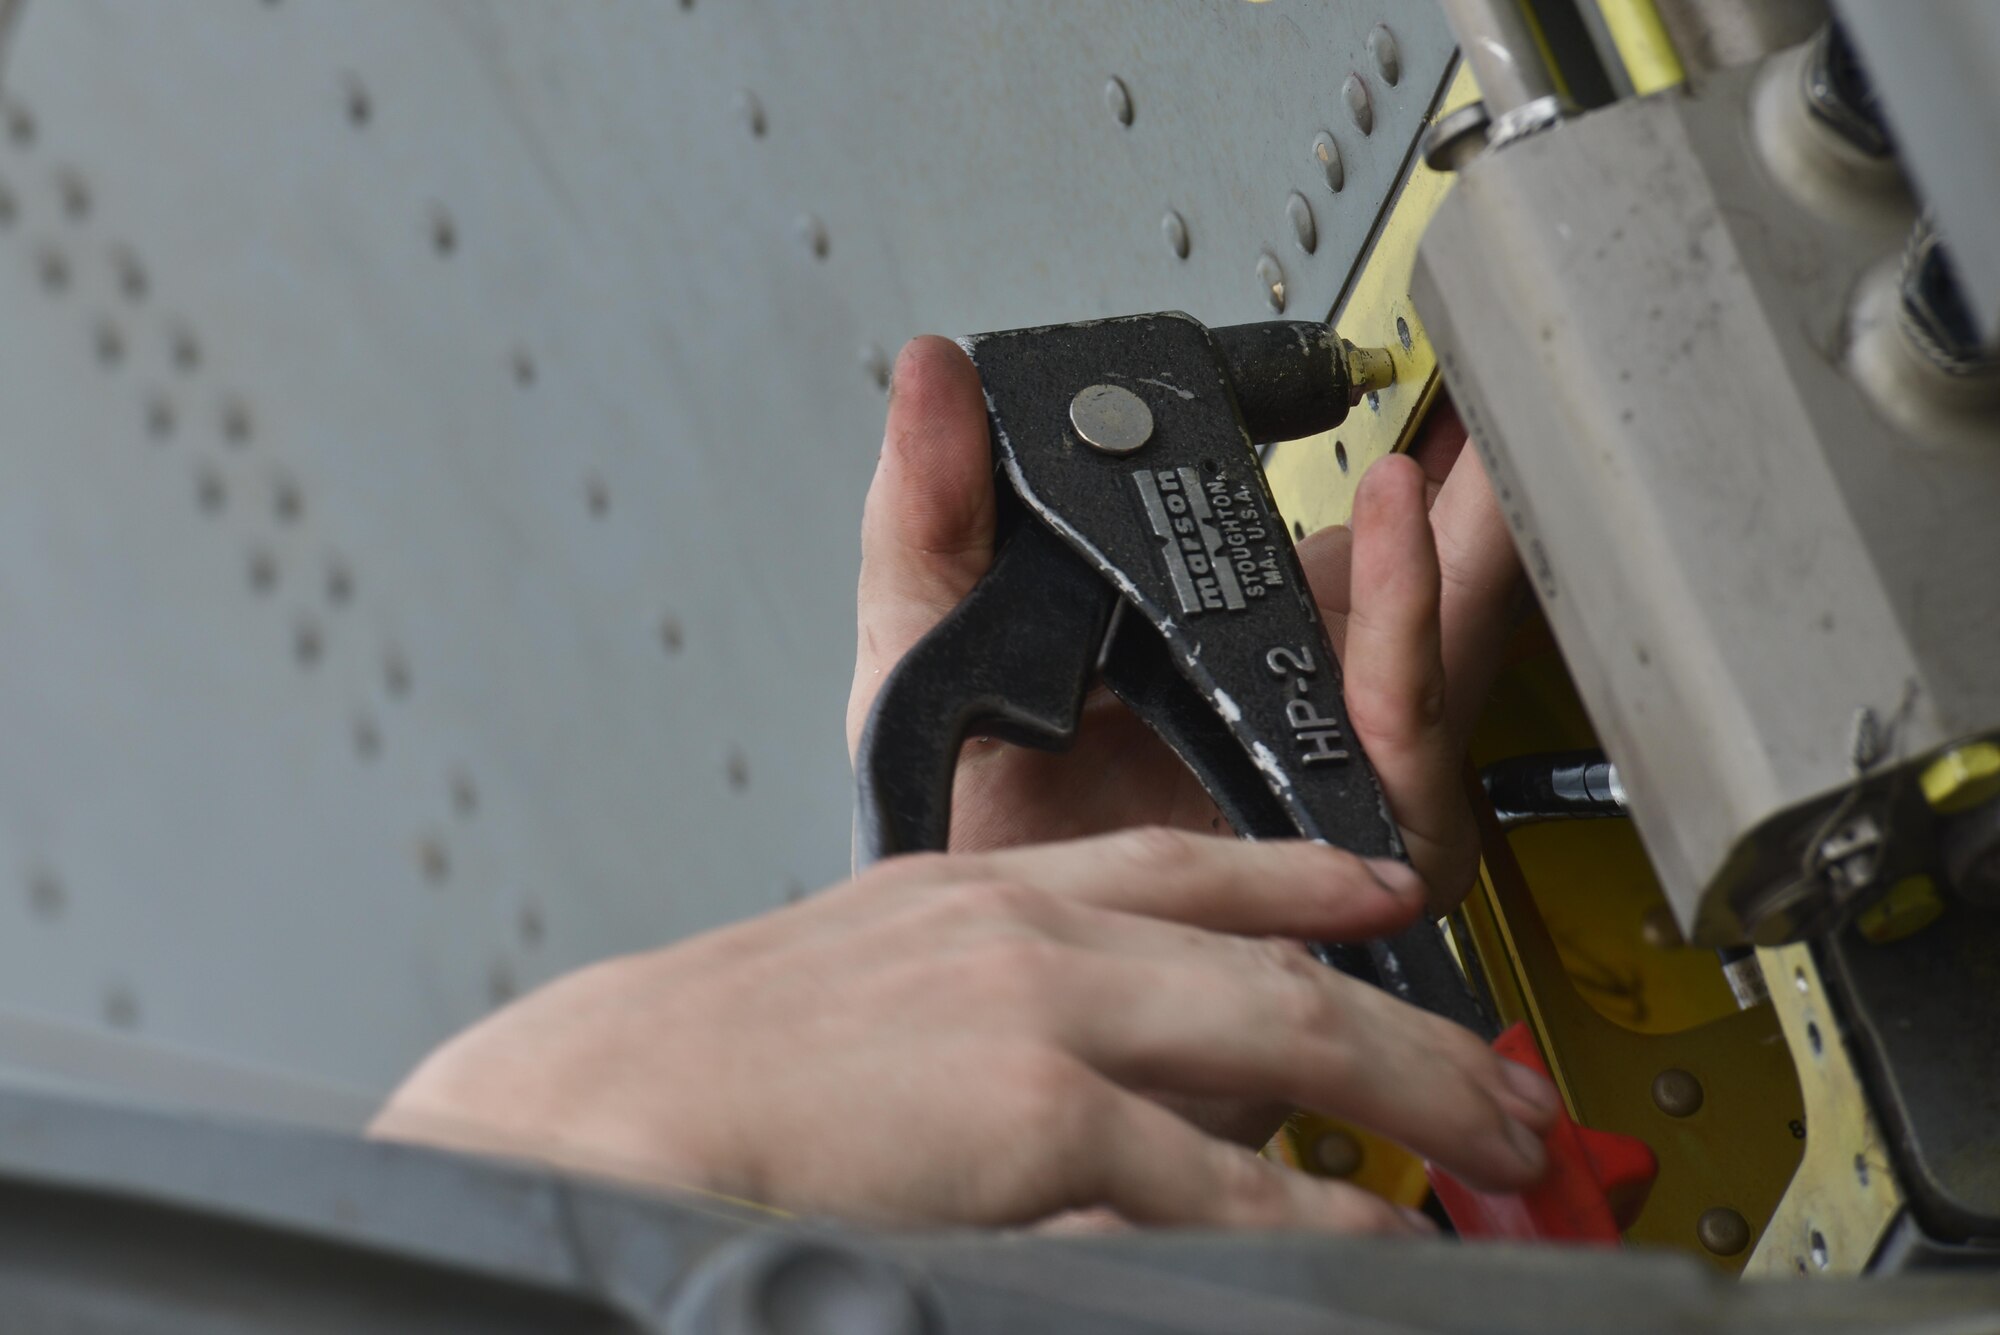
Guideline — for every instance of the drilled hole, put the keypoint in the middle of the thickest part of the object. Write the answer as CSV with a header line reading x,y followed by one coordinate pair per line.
x,y
52,267
210,493
1298,531
160,416
308,644
1819,1252
500,985
263,568
339,584
523,365
1340,454
1813,1038
20,125
1861,1169
738,769
108,342
672,636
360,107
287,501
464,795
444,234
433,860
184,350
597,498
121,1007
74,193
1799,980
237,427
47,897
396,675
1403,334
131,274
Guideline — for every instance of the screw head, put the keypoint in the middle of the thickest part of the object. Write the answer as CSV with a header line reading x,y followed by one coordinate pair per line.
x,y
1111,419
1336,1154
1722,1230
1326,152
1271,277
1677,1093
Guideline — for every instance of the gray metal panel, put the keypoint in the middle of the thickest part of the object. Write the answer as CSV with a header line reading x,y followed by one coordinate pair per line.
x,y
1937,68
435,434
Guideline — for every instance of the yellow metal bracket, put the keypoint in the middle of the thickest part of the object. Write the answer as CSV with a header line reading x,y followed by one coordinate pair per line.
x,y
1314,478
1845,1194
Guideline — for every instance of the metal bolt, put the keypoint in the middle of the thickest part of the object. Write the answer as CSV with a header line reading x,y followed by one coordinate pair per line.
x,y
1962,778
1677,1093
1388,57
1326,151
1118,99
1300,215
1271,277
1722,1230
1337,1154
1359,106
1911,905
1174,229
1111,418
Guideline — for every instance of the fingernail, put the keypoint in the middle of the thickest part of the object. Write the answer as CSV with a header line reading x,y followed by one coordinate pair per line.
x,y
1418,1220
1396,877
1531,1087
1527,1145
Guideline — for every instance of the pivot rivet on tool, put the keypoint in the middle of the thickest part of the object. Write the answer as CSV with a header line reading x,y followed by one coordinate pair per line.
x,y
1111,418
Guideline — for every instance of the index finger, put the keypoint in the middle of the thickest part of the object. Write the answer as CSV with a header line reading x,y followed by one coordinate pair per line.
x,y
1280,887
927,528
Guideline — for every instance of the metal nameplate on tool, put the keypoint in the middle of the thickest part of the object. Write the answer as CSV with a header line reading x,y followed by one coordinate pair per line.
x,y
1141,546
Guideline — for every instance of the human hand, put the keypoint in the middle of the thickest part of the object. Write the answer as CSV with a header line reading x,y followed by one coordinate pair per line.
x,y
959,1039
1418,610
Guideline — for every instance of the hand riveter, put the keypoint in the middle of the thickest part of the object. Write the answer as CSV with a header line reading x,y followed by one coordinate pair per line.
x,y
1139,545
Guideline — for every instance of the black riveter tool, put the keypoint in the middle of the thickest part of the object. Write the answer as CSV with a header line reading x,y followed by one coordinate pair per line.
x,y
1140,546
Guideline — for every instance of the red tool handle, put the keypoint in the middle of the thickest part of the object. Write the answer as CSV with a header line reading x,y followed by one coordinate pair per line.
x,y
1596,1184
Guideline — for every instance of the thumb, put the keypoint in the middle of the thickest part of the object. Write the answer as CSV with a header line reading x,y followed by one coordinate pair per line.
x,y
927,529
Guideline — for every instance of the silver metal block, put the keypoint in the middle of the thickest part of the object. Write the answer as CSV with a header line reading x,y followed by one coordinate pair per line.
x,y
1775,587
